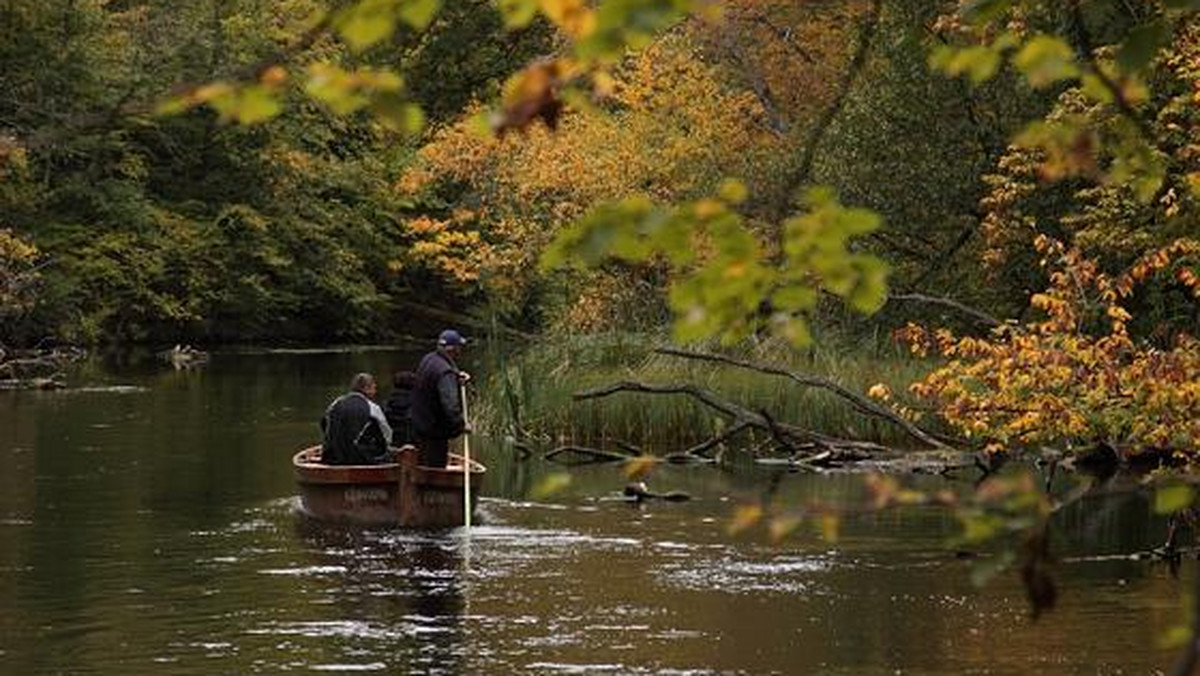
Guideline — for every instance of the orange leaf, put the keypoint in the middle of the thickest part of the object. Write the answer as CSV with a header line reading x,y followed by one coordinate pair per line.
x,y
744,518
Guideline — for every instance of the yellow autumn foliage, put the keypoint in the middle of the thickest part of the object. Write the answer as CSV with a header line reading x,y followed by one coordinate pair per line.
x,y
671,130
1109,211
17,273
718,98
1074,375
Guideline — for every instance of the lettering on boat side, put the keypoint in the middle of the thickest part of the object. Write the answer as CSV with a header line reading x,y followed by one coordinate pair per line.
x,y
441,499
357,496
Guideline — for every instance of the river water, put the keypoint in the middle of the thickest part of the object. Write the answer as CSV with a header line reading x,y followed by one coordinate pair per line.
x,y
148,524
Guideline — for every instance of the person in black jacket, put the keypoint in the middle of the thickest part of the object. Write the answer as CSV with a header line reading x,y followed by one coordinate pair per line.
x,y
437,410
398,405
355,430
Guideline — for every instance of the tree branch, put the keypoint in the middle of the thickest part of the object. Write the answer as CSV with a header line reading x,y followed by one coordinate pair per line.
x,y
697,450
977,315
75,124
866,37
740,415
762,91
857,401
1087,52
783,33
590,455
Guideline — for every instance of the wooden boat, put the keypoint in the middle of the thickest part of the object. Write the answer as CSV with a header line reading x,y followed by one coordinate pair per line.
x,y
400,493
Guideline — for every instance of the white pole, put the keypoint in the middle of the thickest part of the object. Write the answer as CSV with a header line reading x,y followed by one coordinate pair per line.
x,y
462,389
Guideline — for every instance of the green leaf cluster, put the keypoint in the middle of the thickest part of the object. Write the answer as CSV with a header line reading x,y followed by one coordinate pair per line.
x,y
724,286
365,23
1107,59
629,24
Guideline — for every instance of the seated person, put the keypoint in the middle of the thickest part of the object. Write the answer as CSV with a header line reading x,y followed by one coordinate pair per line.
x,y
355,430
396,408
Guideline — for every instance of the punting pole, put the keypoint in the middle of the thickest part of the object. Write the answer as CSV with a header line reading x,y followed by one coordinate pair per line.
x,y
462,390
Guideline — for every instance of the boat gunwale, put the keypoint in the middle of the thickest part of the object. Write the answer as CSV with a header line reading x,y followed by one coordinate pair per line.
x,y
310,472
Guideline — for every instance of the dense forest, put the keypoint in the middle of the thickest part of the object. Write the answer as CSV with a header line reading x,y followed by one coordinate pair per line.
x,y
1010,185
187,227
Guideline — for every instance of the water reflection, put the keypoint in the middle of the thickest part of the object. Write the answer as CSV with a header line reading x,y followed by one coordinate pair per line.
x,y
405,589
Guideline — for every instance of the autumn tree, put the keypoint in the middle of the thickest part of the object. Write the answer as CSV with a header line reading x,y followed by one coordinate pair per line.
x,y
18,284
717,98
1100,194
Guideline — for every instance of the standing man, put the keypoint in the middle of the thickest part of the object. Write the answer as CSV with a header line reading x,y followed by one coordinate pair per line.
x,y
437,410
355,430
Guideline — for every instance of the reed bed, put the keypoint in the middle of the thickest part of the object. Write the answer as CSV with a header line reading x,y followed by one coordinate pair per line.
x,y
532,390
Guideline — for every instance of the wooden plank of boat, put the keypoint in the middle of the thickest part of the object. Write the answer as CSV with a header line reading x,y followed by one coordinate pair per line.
x,y
398,493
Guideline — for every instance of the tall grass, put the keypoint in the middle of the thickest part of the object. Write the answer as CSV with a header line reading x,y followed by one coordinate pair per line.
x,y
535,386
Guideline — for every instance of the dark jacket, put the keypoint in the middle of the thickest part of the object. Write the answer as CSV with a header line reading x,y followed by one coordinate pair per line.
x,y
436,406
397,408
355,432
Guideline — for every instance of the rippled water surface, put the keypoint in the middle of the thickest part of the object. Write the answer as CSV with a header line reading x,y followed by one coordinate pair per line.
x,y
148,524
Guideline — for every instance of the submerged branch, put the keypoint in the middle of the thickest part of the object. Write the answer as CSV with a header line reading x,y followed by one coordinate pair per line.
x,y
739,414
587,454
857,401
37,369
696,453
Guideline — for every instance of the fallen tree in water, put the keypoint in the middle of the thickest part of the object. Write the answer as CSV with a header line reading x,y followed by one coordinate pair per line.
x,y
792,437
804,447
36,369
857,401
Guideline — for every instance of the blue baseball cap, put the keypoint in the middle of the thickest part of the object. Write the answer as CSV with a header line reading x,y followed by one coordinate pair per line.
x,y
451,338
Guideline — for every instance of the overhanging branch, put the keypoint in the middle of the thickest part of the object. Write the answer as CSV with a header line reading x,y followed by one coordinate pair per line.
x,y
740,416
857,401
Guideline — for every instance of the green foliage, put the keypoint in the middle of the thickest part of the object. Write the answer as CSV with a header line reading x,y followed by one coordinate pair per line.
x,y
1121,129
186,227
818,244
1115,185
978,62
1142,44
912,145
1045,60
599,34
367,22
244,105
724,281
518,13
1110,68
628,24
347,92
466,54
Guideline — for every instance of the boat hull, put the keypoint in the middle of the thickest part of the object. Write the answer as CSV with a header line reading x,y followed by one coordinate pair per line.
x,y
402,493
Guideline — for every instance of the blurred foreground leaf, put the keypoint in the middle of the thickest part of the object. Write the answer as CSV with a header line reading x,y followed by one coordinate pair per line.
x,y
744,518
831,525
1171,499
550,485
639,467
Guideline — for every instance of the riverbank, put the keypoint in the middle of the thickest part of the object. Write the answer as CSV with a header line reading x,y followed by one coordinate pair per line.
x,y
532,395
